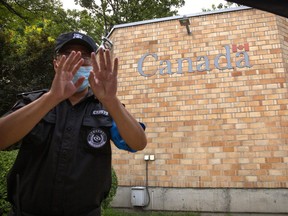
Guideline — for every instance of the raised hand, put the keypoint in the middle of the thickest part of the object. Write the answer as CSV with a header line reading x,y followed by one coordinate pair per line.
x,y
103,78
65,68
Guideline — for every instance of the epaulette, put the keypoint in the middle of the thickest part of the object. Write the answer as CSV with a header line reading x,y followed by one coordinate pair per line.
x,y
37,92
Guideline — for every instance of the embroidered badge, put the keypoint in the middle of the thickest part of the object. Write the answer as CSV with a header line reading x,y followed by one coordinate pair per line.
x,y
76,35
96,138
99,112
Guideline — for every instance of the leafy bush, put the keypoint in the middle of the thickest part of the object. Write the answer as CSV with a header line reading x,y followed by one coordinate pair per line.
x,y
7,159
112,193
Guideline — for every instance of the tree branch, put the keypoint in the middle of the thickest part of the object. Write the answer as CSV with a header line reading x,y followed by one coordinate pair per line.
x,y
12,10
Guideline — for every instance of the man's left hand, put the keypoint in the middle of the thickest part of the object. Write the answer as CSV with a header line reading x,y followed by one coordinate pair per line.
x,y
103,78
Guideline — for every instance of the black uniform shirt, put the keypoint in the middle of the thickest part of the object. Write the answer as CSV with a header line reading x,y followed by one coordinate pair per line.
x,y
64,164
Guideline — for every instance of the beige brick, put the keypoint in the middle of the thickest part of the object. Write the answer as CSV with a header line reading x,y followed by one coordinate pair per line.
x,y
228,127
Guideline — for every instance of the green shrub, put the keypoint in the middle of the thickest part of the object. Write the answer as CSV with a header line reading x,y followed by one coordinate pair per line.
x,y
7,159
108,200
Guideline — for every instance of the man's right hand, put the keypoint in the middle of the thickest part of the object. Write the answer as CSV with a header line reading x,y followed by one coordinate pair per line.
x,y
65,68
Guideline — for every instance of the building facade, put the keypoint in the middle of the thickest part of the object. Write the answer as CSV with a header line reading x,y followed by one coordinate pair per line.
x,y
215,105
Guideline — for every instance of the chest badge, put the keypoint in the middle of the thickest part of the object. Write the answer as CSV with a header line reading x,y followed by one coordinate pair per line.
x,y
99,113
96,138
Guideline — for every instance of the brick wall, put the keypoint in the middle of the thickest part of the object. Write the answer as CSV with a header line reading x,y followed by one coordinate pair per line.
x,y
210,128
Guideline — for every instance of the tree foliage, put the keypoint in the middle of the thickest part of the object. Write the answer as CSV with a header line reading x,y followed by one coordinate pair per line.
x,y
23,42
6,161
112,12
221,6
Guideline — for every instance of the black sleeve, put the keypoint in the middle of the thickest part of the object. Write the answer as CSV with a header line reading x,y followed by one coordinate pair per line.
x,y
23,100
26,98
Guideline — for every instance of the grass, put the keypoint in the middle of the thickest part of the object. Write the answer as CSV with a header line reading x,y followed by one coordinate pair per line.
x,y
126,212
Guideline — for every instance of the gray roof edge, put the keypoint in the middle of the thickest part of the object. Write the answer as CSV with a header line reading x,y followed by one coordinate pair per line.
x,y
176,17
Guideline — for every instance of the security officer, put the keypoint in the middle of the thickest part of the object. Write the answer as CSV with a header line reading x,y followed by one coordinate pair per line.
x,y
64,163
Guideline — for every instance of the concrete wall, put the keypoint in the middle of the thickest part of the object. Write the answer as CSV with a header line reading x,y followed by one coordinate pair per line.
x,y
228,200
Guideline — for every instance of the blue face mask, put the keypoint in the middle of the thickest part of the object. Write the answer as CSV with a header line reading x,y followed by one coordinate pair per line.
x,y
83,71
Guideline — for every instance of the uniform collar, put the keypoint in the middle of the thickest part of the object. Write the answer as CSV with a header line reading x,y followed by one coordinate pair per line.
x,y
89,95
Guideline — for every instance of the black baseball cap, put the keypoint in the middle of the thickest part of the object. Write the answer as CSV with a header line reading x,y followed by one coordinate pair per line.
x,y
75,38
